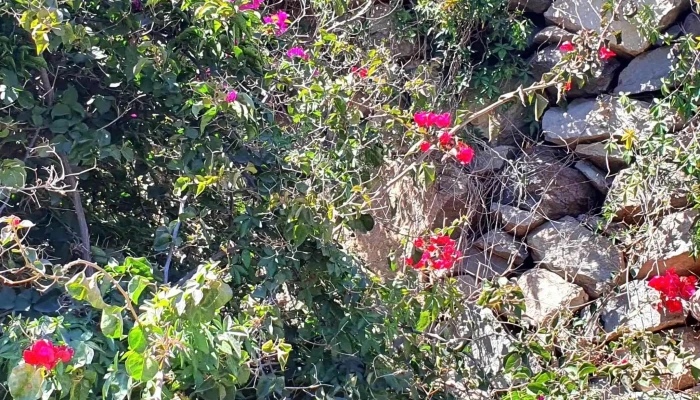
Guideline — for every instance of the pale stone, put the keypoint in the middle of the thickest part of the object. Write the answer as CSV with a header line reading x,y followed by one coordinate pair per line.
x,y
547,295
596,176
646,72
609,161
503,245
669,245
576,254
515,220
553,35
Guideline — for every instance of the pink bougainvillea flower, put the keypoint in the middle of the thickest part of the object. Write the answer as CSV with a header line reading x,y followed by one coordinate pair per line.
x,y
136,6
133,115
605,53
13,221
465,154
567,47
419,243
45,354
279,19
409,261
422,119
442,120
540,397
253,5
424,146
445,138
231,96
297,52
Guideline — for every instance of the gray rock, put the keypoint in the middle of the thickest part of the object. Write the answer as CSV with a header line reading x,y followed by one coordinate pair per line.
x,y
596,176
515,220
669,245
608,161
383,28
691,24
634,197
635,308
557,188
547,295
646,72
552,35
491,159
480,265
576,254
576,15
587,120
545,59
504,246
536,6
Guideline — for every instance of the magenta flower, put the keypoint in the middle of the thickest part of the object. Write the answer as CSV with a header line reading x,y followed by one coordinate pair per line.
x,y
297,52
231,96
279,19
253,5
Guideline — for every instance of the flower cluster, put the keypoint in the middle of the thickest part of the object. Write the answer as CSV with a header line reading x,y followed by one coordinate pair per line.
x,y
253,5
361,72
604,53
428,119
280,19
231,96
43,353
673,289
12,221
298,52
439,252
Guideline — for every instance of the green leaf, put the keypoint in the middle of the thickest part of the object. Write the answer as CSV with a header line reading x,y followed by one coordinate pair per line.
x,y
137,339
676,368
76,286
59,126
206,119
268,347
140,367
25,382
136,286
111,323
60,110
12,173
511,360
541,104
586,369
423,321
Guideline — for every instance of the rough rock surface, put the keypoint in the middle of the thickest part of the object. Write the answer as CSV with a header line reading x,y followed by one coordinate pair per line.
x,y
575,15
503,245
491,159
545,59
557,188
383,28
480,265
547,294
691,24
609,161
576,254
635,308
596,176
645,72
634,196
552,34
669,245
588,120
536,6
516,221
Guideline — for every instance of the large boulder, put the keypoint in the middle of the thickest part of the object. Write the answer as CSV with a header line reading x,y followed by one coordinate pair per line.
x,y
516,221
576,254
383,29
691,24
634,197
589,120
646,72
480,265
536,6
609,161
669,245
624,34
545,59
547,295
636,308
556,187
504,246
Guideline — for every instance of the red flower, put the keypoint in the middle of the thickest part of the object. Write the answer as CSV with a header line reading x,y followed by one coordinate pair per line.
x,y
409,261
431,248
442,120
567,86
567,47
445,138
361,72
422,119
43,353
419,243
424,146
14,221
465,154
540,397
672,289
605,53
